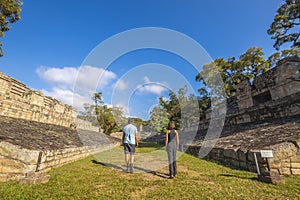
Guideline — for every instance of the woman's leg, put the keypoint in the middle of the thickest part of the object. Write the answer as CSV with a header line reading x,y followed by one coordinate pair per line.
x,y
174,162
170,159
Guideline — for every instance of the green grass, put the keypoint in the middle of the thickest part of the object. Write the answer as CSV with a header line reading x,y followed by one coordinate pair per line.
x,y
89,178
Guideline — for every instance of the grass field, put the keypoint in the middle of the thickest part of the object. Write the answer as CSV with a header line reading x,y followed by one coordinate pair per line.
x,y
90,178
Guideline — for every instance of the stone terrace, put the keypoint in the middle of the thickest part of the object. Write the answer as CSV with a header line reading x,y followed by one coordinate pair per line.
x,y
22,142
257,135
238,143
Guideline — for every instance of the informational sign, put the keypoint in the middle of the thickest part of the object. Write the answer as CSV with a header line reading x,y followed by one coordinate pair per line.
x,y
266,153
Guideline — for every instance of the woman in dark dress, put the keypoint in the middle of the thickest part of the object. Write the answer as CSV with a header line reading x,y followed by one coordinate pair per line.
x,y
172,144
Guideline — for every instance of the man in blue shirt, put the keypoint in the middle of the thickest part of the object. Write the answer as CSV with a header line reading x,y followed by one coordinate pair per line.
x,y
130,141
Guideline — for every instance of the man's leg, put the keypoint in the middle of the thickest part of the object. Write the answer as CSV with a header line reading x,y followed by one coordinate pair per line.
x,y
131,162
127,162
127,157
132,152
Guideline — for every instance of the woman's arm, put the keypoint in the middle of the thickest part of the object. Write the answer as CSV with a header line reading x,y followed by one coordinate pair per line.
x,y
166,141
177,139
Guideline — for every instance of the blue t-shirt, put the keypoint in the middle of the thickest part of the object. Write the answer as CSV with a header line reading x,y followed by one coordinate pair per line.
x,y
129,132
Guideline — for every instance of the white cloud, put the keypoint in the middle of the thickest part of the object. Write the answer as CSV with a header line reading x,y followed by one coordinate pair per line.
x,y
152,87
85,78
74,85
68,97
120,85
63,77
92,78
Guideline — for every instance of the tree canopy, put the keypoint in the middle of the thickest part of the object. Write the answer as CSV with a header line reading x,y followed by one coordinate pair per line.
x,y
232,71
183,109
283,29
9,13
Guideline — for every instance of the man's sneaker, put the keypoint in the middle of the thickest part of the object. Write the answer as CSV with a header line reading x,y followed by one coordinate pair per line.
x,y
127,169
131,168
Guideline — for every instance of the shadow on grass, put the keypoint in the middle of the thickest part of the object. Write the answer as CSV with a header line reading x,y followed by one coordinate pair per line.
x,y
108,165
159,174
150,144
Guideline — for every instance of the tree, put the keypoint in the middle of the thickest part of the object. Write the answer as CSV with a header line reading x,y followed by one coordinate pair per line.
x,y
110,118
9,13
106,119
283,30
252,63
180,108
88,114
232,71
158,119
274,58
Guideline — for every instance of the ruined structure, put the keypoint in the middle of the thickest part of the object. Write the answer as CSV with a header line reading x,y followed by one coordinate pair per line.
x,y
267,118
18,101
275,93
38,133
265,115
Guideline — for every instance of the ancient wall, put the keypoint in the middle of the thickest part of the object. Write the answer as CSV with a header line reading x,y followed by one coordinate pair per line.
x,y
286,160
277,83
16,162
274,94
18,101
85,125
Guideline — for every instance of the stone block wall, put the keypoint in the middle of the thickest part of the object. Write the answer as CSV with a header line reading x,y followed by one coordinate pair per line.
x,y
85,125
18,101
277,83
286,160
16,162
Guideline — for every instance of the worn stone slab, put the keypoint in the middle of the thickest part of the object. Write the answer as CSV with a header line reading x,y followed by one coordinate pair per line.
x,y
295,165
285,171
295,159
295,171
18,153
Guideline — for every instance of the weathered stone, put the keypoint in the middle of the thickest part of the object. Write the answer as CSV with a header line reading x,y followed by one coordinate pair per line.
x,y
8,165
21,102
231,153
284,150
242,156
15,152
285,171
243,165
295,165
271,177
295,159
295,171
276,164
286,164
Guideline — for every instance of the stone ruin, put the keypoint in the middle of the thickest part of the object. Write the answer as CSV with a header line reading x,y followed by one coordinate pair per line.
x,y
18,101
38,133
264,116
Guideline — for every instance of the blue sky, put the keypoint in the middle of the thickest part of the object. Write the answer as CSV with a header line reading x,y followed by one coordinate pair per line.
x,y
50,44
